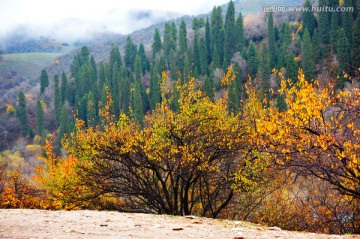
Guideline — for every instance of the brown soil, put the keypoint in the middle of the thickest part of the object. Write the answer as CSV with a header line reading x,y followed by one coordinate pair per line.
x,y
23,223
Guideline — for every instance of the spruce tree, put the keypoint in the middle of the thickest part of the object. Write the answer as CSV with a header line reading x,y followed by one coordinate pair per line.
x,y
229,41
197,65
39,118
343,52
285,42
347,19
124,95
136,106
308,18
94,73
240,33
130,54
91,111
209,87
291,68
307,62
137,69
252,60
21,114
84,55
203,57
271,41
208,41
57,98
145,64
265,71
44,81
316,47
233,98
220,46
216,25
64,123
182,38
169,42
324,22
356,43
334,30
115,59
157,44
155,92
64,88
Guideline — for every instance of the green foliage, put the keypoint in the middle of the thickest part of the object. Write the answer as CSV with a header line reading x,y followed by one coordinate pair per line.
x,y
356,43
347,21
265,71
229,41
155,93
136,106
239,33
39,119
130,54
307,60
21,114
308,18
324,22
291,68
209,87
157,44
57,98
44,81
334,25
182,38
271,41
252,60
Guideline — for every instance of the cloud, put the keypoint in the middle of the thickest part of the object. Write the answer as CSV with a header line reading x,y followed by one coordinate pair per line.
x,y
81,18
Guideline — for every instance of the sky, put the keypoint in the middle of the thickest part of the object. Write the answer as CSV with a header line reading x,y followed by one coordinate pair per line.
x,y
79,17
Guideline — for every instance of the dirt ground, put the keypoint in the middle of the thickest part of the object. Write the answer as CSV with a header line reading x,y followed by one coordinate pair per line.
x,y
23,223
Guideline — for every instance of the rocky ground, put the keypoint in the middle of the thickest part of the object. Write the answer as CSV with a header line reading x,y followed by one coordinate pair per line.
x,y
23,223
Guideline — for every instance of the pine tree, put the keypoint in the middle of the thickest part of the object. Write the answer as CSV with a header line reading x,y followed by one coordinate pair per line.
x,y
309,20
197,65
21,114
174,33
233,98
291,68
91,111
343,52
64,88
307,62
347,20
84,55
220,46
157,44
44,81
182,38
216,26
324,22
130,54
252,60
356,43
265,71
169,42
115,59
209,87
64,123
281,103
145,64
124,95
102,74
137,109
208,40
285,42
229,41
57,98
137,69
39,118
334,30
93,69
155,92
316,47
271,41
240,33
203,58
